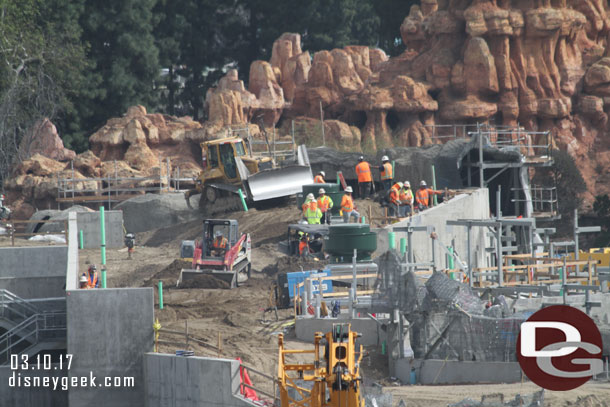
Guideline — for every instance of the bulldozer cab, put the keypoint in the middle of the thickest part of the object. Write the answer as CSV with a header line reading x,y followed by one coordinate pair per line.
x,y
228,228
222,155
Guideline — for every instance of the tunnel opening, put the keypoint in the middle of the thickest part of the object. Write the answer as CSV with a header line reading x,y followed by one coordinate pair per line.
x,y
512,196
39,225
392,119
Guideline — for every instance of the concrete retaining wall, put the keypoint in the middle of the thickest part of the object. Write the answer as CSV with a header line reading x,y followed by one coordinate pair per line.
x,y
15,394
177,381
109,330
89,223
474,205
34,272
455,372
372,334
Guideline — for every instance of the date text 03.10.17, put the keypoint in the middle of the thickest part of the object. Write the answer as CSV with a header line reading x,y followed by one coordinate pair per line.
x,y
41,362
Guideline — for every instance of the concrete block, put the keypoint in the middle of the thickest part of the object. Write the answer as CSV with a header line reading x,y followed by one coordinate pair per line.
x,y
89,223
34,271
108,332
457,372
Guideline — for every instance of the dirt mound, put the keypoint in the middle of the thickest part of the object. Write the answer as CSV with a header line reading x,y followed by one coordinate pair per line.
x,y
290,264
169,275
204,281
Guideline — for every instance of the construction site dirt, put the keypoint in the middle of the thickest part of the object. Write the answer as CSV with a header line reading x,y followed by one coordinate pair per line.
x,y
233,323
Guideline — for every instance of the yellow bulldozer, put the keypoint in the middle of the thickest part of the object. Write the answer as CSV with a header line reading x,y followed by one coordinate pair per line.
x,y
229,170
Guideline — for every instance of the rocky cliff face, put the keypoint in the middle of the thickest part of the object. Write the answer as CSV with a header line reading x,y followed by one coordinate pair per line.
x,y
541,64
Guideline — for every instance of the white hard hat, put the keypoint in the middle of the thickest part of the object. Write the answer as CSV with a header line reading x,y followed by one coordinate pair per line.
x,y
423,183
310,196
385,158
321,191
349,189
399,184
361,158
218,233
322,173
407,184
82,279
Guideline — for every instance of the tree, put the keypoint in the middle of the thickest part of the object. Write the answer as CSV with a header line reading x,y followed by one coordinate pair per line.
x,y
122,49
38,60
391,14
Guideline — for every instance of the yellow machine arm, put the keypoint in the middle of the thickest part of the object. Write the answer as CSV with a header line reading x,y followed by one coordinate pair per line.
x,y
336,383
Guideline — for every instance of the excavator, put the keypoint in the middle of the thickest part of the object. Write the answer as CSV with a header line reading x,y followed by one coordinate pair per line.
x,y
337,382
231,172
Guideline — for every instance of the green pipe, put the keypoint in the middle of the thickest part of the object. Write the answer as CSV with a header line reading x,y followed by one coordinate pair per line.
x,y
160,294
103,278
81,239
434,185
393,172
338,179
403,245
243,199
391,240
103,235
451,263
363,219
383,348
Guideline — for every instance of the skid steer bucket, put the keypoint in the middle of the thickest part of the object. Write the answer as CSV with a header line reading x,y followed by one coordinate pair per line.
x,y
208,278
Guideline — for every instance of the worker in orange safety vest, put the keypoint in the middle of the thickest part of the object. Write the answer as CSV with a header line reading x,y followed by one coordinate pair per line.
x,y
424,194
394,198
325,203
308,200
363,172
319,178
92,277
347,206
387,173
219,246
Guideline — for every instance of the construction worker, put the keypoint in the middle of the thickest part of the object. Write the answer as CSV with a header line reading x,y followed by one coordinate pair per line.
x,y
325,203
387,173
303,246
394,198
92,277
363,171
406,199
308,200
347,206
319,179
219,245
424,194
313,214
83,282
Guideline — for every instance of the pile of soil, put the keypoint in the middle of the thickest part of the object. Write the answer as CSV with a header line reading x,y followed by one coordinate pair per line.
x,y
169,275
290,264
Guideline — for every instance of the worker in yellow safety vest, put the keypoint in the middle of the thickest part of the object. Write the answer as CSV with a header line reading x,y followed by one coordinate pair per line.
x,y
308,199
406,200
387,173
313,214
347,206
325,203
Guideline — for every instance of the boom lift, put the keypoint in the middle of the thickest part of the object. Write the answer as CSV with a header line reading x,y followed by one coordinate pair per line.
x,y
335,383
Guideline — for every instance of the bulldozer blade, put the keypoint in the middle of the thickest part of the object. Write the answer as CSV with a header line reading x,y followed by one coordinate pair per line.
x,y
279,182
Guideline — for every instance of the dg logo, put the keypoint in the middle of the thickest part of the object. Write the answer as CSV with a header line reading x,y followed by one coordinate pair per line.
x,y
560,348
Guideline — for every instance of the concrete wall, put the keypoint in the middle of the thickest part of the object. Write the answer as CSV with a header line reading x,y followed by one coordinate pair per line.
x,y
34,272
89,223
455,372
474,205
372,334
20,395
177,381
109,330
72,270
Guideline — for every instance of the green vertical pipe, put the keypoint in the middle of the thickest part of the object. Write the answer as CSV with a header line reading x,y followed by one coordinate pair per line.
x,y
391,240
403,245
561,271
104,278
338,179
434,185
451,263
160,294
81,239
383,348
103,235
243,199
363,219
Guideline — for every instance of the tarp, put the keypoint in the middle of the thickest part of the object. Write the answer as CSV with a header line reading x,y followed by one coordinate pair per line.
x,y
244,377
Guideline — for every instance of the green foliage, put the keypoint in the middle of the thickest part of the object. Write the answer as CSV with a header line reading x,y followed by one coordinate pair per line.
x,y
568,180
392,13
601,207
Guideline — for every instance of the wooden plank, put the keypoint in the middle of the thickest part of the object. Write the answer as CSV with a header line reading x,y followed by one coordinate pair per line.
x,y
346,293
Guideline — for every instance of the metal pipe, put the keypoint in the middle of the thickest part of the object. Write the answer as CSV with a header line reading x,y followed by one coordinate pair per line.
x,y
160,294
81,239
469,227
354,283
103,235
243,199
322,124
499,255
403,245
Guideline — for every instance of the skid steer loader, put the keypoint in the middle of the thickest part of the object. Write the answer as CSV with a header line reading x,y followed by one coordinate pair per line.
x,y
229,167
